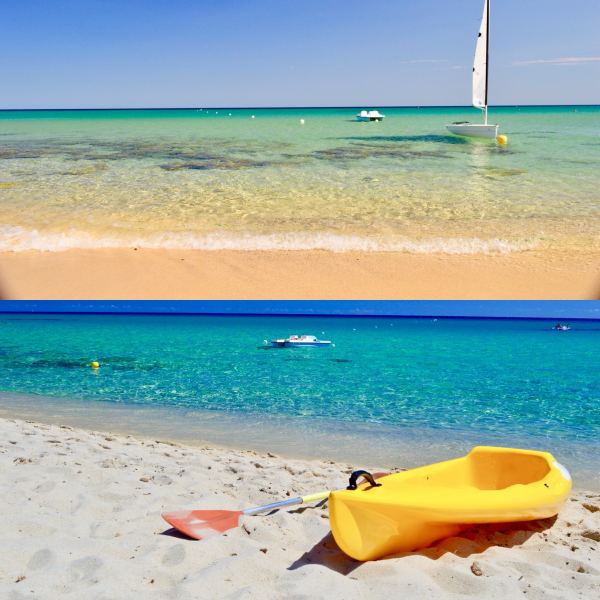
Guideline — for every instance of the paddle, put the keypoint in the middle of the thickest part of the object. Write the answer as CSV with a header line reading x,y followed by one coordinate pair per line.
x,y
199,524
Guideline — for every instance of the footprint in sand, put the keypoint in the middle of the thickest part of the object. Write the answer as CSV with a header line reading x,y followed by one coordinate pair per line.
x,y
163,480
45,487
84,568
40,559
174,556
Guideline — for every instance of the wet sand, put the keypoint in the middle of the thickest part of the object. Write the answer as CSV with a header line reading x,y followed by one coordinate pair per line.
x,y
228,274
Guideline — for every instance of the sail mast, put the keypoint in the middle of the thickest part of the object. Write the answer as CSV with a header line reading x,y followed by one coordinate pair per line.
x,y
487,59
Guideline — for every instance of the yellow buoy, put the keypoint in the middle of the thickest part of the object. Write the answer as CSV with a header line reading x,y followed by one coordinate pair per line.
x,y
502,139
95,364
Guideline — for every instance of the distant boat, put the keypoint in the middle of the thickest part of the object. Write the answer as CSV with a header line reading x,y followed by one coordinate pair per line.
x,y
561,327
370,115
299,341
480,85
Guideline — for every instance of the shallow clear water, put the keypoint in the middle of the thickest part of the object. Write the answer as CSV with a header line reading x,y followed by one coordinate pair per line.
x,y
390,383
221,179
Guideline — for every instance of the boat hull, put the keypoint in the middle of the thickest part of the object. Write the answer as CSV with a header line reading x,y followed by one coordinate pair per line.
x,y
285,344
415,508
365,119
477,130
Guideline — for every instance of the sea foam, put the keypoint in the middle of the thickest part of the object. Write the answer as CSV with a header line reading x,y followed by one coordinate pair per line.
x,y
19,239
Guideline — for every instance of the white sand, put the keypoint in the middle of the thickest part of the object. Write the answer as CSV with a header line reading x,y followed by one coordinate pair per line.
x,y
81,519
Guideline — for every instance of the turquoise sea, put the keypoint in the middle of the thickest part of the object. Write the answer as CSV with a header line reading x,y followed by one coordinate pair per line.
x,y
391,392
219,178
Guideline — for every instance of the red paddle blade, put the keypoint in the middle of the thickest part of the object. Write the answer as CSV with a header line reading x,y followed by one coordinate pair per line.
x,y
199,524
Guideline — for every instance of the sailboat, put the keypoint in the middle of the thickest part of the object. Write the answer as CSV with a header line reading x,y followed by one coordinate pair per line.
x,y
480,84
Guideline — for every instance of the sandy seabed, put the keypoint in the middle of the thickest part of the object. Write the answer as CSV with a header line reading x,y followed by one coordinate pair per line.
x,y
129,274
81,519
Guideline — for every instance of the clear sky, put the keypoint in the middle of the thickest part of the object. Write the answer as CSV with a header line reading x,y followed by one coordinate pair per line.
x,y
145,53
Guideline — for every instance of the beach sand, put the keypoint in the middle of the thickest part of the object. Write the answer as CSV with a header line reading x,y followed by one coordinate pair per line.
x,y
323,275
81,519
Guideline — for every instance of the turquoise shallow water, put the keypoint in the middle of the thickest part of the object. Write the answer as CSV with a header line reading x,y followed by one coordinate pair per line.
x,y
417,384
218,178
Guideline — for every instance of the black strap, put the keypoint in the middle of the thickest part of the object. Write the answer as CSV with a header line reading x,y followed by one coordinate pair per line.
x,y
352,485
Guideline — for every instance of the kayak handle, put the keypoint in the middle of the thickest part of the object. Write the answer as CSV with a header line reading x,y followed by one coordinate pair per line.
x,y
352,484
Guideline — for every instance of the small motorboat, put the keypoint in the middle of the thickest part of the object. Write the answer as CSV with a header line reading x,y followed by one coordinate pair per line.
x,y
295,341
370,115
412,509
561,327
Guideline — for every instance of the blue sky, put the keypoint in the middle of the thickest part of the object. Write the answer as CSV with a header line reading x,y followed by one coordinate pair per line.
x,y
540,309
127,53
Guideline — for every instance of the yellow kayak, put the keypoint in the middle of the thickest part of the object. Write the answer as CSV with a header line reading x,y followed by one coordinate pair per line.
x,y
415,508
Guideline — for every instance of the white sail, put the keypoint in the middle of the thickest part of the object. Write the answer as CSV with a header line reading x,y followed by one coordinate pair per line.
x,y
480,65
480,85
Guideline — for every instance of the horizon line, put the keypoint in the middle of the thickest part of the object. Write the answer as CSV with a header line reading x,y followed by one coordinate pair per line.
x,y
295,315
299,107
457,309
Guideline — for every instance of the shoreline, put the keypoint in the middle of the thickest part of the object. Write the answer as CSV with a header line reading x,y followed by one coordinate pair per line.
x,y
361,443
82,511
112,274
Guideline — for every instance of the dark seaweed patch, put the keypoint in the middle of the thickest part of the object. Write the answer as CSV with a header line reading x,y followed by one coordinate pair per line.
x,y
433,138
121,363
136,367
363,150
11,153
118,359
7,350
497,172
204,154
88,169
496,149
450,140
65,363
220,162
574,161
128,363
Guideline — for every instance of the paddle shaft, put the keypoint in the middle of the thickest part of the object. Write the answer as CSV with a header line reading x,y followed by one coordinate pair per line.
x,y
289,502
196,523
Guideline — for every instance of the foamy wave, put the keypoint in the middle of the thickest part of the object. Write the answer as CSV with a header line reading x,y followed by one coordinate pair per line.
x,y
19,239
